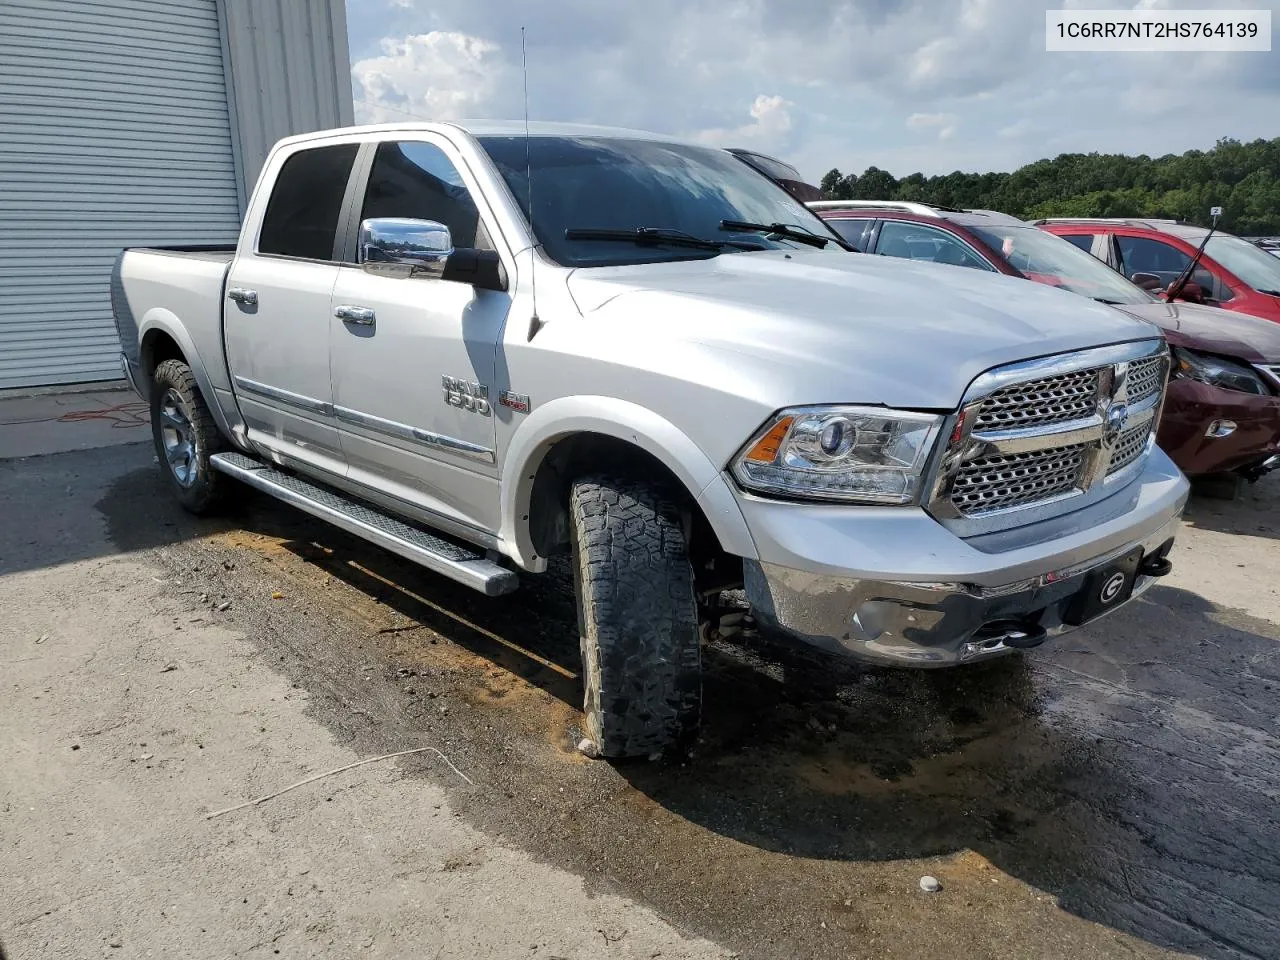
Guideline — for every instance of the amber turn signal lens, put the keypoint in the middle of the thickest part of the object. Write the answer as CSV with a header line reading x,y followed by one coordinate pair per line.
x,y
766,448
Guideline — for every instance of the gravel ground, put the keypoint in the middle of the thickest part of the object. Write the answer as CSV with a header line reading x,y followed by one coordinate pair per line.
x,y
1113,794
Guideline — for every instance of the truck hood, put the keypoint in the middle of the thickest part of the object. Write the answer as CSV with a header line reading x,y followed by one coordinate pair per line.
x,y
826,326
1213,330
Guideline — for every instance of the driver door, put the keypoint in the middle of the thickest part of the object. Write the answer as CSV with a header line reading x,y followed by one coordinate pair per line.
x,y
414,360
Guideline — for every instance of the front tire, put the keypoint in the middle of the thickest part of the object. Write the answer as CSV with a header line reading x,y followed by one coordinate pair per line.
x,y
185,437
637,617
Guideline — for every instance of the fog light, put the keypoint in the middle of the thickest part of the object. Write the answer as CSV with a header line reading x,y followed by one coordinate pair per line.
x,y
1220,428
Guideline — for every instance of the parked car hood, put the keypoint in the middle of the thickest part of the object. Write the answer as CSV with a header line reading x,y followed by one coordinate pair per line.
x,y
837,326
1224,332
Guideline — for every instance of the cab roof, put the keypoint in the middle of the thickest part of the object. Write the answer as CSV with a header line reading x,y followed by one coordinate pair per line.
x,y
492,128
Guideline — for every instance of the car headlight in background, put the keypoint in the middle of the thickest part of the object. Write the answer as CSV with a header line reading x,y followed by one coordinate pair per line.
x,y
1217,372
851,454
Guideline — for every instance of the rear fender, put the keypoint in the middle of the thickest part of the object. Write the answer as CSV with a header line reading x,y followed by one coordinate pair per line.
x,y
162,320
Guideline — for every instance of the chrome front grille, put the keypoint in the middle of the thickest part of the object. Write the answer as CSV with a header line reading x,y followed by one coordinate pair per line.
x,y
1049,435
1128,448
1146,378
1000,482
1059,399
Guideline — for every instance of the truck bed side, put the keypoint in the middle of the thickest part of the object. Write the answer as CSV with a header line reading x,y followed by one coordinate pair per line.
x,y
167,302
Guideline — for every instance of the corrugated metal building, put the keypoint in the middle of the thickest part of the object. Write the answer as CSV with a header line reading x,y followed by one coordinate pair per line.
x,y
133,122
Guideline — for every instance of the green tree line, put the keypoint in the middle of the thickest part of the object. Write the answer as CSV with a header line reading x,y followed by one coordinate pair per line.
x,y
1242,178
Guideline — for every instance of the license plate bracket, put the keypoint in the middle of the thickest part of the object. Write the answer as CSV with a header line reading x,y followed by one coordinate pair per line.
x,y
1104,589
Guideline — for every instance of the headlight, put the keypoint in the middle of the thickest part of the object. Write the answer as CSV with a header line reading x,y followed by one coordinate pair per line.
x,y
1217,372
859,454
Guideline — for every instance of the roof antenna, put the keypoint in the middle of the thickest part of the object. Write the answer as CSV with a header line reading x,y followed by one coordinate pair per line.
x,y
535,324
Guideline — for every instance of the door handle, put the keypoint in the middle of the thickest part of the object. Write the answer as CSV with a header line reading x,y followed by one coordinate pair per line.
x,y
360,315
248,298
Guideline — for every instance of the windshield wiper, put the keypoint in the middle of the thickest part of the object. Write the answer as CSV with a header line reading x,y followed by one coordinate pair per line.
x,y
790,231
1273,293
1110,303
652,235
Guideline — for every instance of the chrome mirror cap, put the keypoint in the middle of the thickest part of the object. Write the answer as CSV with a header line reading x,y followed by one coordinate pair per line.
x,y
402,247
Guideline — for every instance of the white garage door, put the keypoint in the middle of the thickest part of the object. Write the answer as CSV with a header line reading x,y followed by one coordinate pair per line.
x,y
114,132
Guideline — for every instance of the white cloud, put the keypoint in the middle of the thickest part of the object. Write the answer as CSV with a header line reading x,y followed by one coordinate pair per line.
x,y
944,123
769,129
823,83
439,75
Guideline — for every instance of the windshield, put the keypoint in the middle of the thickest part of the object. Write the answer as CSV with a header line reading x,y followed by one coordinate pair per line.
x,y
621,184
1255,267
1049,259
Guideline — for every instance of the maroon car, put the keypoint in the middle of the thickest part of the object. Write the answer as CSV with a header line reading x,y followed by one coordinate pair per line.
x,y
1222,414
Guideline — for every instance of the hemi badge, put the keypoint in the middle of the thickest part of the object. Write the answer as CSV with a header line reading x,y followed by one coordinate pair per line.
x,y
518,402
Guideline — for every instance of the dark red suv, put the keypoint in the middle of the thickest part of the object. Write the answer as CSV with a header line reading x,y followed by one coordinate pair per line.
x,y
1233,273
1222,414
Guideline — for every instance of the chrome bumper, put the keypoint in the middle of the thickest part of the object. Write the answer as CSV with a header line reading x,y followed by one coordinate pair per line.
x,y
948,619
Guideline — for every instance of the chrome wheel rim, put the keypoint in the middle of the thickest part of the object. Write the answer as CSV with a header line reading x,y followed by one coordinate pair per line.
x,y
178,438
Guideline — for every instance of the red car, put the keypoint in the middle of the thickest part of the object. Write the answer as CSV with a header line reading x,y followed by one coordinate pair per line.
x,y
1232,273
1222,414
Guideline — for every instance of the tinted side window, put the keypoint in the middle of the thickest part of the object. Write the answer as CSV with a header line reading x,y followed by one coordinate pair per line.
x,y
302,214
1144,255
772,168
914,241
852,230
1082,240
416,180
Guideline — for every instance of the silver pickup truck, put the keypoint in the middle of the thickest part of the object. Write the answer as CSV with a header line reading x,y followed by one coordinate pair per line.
x,y
481,350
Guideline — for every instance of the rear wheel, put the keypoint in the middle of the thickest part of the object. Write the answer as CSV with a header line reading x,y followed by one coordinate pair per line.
x,y
637,617
186,436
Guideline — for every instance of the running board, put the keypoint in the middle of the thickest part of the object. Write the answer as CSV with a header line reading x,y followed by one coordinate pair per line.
x,y
441,556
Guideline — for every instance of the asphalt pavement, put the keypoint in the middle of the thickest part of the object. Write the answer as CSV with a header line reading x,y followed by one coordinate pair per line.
x,y
1111,794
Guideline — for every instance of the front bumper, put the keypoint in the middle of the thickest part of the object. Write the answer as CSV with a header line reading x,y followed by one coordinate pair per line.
x,y
892,586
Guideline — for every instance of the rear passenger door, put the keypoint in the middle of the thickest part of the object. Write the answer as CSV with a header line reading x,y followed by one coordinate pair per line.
x,y
277,304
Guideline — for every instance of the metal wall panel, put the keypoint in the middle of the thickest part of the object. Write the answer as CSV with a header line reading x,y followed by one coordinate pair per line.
x,y
289,73
116,133
136,122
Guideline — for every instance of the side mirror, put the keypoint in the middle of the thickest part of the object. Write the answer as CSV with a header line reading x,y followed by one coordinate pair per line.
x,y
1147,281
399,247
404,248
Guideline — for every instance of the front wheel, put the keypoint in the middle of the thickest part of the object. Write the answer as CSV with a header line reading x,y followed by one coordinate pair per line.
x,y
637,617
186,436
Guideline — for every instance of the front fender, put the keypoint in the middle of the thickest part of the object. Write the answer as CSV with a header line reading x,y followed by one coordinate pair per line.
x,y
162,320
621,420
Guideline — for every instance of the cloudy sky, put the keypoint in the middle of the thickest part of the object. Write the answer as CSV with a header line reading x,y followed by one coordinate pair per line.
x,y
929,85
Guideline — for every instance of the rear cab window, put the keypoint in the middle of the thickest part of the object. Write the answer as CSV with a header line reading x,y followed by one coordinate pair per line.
x,y
301,219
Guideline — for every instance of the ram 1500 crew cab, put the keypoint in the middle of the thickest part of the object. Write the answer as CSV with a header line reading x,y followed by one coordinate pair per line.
x,y
481,351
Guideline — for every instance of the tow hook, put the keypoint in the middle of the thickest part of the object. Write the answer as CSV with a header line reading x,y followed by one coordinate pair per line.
x,y
1155,567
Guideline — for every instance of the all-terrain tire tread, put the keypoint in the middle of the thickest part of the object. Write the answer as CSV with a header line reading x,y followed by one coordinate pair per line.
x,y
638,618
210,488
